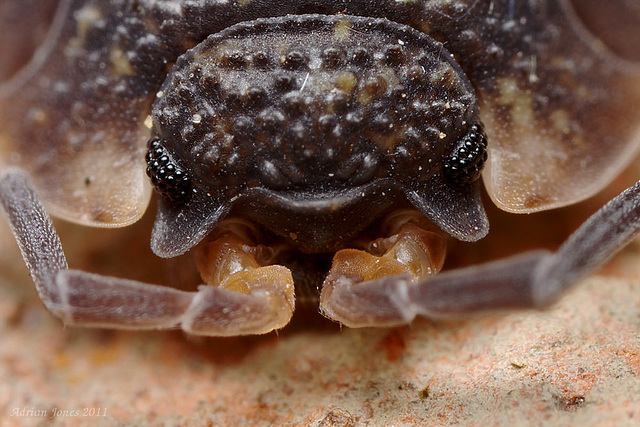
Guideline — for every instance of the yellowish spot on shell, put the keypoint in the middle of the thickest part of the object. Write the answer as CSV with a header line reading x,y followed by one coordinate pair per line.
x,y
120,63
520,102
85,18
346,81
561,121
38,117
342,30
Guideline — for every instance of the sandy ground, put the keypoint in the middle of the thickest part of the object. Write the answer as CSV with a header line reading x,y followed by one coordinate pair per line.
x,y
576,364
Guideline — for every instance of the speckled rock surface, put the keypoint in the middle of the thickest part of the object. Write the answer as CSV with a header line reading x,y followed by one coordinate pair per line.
x,y
576,364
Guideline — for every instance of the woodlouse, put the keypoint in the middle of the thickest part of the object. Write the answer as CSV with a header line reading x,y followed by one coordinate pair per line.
x,y
279,132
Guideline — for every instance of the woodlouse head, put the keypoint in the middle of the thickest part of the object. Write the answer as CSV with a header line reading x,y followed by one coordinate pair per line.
x,y
340,112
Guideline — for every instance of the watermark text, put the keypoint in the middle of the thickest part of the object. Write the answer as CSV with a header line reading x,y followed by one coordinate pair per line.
x,y
30,411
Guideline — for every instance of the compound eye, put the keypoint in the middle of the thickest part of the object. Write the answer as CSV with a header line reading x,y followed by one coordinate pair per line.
x,y
465,162
169,179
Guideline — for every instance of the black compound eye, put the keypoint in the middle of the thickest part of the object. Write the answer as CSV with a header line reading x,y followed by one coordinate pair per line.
x,y
167,176
465,162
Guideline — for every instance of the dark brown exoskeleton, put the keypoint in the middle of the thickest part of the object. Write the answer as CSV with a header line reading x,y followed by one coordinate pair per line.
x,y
274,132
